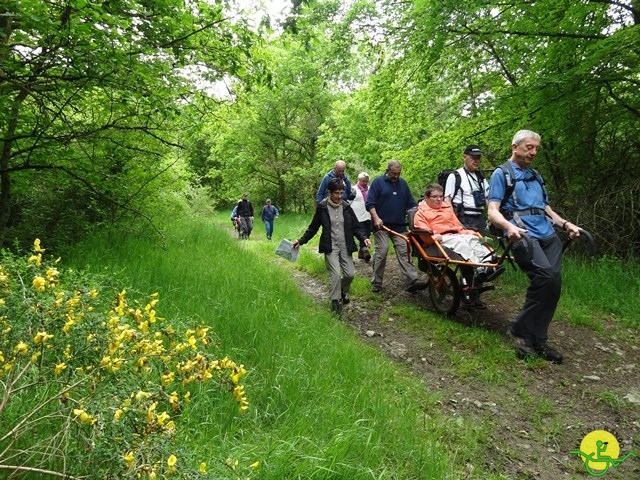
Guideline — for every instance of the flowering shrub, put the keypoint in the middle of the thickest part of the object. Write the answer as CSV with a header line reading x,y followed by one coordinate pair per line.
x,y
92,386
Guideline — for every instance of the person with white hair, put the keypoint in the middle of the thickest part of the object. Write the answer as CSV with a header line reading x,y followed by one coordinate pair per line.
x,y
519,206
360,191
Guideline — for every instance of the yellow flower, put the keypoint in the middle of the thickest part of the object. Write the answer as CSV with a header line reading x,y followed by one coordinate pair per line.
x,y
142,395
42,337
171,463
1,357
21,349
39,284
84,417
162,418
255,465
129,459
203,468
167,378
1,302
93,293
36,246
60,367
151,411
35,259
52,273
118,414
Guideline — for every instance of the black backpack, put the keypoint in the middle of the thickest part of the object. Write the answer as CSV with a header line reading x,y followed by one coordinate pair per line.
x,y
444,175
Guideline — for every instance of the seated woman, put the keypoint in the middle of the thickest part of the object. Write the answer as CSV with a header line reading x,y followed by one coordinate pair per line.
x,y
434,215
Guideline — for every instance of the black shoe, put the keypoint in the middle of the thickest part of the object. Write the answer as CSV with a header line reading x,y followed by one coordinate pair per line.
x,y
336,307
523,347
376,288
548,353
345,298
361,254
473,302
367,255
417,285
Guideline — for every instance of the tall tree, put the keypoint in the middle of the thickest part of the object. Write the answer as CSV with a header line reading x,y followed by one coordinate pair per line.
x,y
88,96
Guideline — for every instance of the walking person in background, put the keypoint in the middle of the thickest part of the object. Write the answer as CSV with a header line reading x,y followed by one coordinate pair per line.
x,y
360,191
269,213
339,226
245,212
339,172
388,201
525,210
466,191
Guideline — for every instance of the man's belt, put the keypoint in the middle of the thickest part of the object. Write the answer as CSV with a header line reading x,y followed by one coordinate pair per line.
x,y
529,211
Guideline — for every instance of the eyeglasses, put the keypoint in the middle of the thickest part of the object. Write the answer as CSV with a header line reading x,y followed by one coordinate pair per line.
x,y
437,197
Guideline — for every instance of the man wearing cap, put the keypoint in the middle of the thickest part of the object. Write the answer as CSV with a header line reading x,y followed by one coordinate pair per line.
x,y
467,190
360,190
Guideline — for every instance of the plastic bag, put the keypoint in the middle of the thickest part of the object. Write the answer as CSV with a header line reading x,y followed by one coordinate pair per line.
x,y
286,250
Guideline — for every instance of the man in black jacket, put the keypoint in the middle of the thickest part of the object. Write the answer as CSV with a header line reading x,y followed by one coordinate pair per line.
x,y
339,226
245,212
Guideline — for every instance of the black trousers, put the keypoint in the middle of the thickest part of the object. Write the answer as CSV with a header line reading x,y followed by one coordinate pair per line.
x,y
543,293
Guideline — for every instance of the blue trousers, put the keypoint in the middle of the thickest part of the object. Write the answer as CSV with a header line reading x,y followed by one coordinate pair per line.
x,y
268,225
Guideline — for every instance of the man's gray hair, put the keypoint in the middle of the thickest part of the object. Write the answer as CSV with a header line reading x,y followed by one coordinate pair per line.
x,y
393,163
522,135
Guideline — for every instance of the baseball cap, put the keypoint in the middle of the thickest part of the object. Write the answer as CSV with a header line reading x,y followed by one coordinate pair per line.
x,y
473,150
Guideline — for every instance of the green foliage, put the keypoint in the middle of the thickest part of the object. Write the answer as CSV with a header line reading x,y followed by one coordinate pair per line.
x,y
93,389
90,100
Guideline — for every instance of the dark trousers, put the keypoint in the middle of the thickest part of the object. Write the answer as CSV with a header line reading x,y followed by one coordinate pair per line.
x,y
366,228
543,293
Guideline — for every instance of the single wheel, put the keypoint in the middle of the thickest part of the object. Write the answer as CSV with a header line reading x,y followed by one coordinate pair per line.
x,y
444,291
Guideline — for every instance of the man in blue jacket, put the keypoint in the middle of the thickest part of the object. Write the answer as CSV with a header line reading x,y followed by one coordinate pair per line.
x,y
388,201
338,171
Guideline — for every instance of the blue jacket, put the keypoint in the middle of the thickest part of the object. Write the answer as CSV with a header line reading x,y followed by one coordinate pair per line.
x,y
321,194
321,219
269,213
391,201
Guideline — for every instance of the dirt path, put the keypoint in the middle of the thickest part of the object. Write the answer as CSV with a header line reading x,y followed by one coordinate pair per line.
x,y
548,409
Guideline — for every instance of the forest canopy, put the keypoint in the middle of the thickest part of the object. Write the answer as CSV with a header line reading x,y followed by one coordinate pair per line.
x,y
101,124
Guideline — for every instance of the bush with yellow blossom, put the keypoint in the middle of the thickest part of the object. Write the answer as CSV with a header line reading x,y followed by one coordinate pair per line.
x,y
96,386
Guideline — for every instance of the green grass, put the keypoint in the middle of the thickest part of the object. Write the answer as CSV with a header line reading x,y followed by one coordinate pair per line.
x,y
323,405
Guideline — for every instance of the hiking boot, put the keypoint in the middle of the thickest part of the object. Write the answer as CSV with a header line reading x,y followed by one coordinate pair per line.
x,y
376,287
548,353
361,254
345,299
417,285
367,255
473,301
522,346
336,307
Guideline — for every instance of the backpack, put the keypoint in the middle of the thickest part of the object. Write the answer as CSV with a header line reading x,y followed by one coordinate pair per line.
x,y
444,175
510,191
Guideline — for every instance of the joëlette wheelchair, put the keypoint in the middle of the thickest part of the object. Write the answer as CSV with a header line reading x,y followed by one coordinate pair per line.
x,y
447,272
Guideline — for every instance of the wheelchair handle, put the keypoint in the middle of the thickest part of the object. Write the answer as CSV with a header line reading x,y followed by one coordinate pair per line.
x,y
586,234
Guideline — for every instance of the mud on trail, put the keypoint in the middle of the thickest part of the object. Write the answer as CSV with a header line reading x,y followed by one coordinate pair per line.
x,y
545,412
